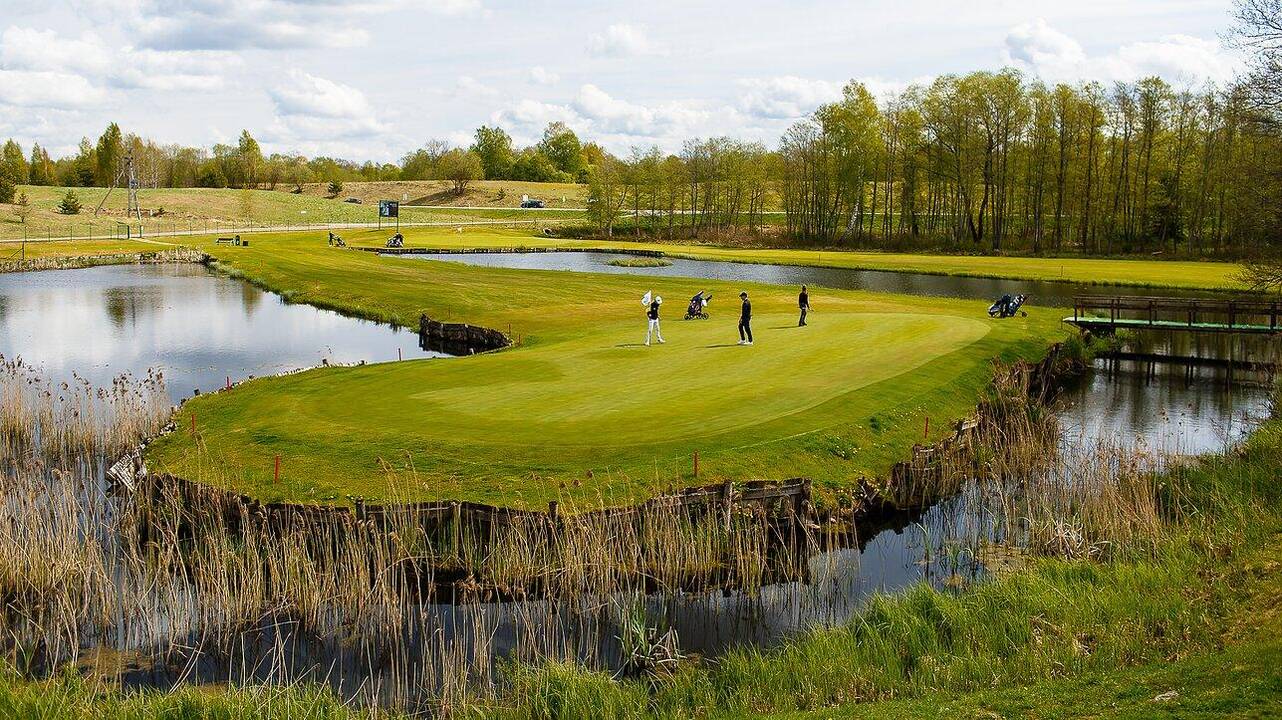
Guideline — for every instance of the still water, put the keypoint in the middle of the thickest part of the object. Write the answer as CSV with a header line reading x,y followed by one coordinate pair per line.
x,y
1048,294
196,327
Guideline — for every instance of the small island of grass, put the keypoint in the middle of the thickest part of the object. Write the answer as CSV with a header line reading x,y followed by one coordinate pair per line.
x,y
640,262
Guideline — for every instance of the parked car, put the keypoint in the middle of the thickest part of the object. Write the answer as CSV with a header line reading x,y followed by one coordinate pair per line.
x,y
354,201
532,203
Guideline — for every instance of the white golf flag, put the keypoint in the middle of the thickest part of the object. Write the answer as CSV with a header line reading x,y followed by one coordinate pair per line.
x,y
646,300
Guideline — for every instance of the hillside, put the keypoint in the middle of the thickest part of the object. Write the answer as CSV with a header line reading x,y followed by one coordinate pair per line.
x,y
215,210
483,193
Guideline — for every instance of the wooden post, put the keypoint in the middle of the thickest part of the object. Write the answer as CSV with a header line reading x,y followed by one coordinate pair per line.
x,y
727,499
456,530
926,435
398,354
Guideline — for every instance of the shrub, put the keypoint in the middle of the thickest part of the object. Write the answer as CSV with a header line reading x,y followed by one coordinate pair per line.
x,y
70,204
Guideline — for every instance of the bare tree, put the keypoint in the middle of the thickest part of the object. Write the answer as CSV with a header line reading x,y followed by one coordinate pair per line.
x,y
1258,31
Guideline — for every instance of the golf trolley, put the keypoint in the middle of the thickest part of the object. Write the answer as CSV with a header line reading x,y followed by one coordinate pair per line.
x,y
698,309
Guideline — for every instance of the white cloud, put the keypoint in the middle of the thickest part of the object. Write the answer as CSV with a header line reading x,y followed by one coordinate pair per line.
x,y
41,89
124,67
619,124
540,75
468,86
218,25
532,114
623,40
1052,55
314,108
785,97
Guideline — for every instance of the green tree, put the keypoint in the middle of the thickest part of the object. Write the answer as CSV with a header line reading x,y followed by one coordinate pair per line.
x,y
7,187
533,166
40,167
460,167
109,153
607,193
22,208
335,187
421,164
562,147
251,159
70,204
494,147
14,162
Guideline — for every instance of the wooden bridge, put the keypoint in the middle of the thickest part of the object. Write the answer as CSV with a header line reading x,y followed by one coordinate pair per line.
x,y
1203,315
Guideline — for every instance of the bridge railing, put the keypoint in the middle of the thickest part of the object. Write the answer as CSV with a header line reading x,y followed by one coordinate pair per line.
x,y
1229,313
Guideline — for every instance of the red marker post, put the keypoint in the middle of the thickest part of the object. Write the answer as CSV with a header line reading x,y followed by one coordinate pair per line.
x,y
276,477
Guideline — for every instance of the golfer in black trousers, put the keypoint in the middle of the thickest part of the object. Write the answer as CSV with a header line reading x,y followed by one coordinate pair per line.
x,y
745,320
803,302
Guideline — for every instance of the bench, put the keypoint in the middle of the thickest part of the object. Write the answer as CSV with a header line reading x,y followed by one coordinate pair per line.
x,y
232,241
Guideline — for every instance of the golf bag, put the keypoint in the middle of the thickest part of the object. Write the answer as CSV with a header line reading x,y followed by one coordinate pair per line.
x,y
1007,306
396,241
698,309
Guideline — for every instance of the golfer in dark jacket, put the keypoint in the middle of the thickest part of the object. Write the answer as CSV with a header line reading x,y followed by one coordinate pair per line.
x,y
653,327
803,302
745,320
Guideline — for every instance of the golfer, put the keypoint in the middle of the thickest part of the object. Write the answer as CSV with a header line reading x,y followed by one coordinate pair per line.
x,y
653,327
745,320
803,302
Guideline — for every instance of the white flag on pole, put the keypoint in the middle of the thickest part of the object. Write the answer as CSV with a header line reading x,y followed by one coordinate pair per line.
x,y
646,300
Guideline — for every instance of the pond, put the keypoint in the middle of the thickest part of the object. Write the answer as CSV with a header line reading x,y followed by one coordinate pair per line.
x,y
1046,294
197,327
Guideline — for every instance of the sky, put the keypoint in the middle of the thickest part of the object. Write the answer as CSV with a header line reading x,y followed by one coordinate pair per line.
x,y
374,79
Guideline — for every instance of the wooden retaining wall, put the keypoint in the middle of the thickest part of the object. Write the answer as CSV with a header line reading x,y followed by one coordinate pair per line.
x,y
458,337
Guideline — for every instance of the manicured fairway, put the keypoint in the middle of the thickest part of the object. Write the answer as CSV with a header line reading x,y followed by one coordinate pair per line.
x,y
580,409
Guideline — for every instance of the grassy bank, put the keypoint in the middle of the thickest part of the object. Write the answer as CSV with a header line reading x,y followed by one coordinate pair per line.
x,y
581,407
1183,625
208,210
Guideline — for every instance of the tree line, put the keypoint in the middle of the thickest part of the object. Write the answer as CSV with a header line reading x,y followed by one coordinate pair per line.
x,y
559,157
981,162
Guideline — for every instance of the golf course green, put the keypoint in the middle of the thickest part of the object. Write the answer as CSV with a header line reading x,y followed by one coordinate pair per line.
x,y
580,410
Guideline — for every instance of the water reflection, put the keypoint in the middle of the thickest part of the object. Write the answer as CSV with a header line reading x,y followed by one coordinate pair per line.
x,y
196,327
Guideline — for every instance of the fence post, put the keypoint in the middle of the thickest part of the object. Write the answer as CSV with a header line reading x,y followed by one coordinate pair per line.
x,y
727,499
